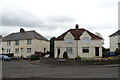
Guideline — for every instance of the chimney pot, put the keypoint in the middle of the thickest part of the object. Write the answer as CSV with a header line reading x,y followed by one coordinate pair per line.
x,y
77,26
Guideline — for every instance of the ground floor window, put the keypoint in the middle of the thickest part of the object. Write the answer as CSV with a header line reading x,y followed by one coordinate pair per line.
x,y
28,50
8,50
85,49
17,50
69,50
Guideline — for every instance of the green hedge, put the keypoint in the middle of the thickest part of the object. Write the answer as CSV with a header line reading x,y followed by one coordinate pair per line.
x,y
34,58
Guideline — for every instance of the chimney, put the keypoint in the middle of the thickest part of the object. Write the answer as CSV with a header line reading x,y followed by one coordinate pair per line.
x,y
22,30
76,26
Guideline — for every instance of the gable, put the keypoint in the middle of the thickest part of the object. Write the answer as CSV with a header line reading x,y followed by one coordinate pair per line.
x,y
85,34
115,34
69,35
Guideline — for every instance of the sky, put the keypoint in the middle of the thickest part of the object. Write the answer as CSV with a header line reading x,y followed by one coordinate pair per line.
x,y
53,17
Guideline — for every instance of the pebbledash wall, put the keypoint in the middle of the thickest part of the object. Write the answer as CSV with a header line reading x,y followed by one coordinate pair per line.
x,y
114,40
77,46
0,44
36,46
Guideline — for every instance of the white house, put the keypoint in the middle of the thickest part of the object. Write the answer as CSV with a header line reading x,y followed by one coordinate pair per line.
x,y
115,41
0,44
25,43
78,42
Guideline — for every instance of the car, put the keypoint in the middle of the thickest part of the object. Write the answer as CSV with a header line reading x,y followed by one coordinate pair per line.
x,y
47,56
108,54
29,56
5,58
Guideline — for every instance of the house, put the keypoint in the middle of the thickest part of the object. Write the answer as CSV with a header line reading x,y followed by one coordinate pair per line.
x,y
24,43
78,42
115,41
0,44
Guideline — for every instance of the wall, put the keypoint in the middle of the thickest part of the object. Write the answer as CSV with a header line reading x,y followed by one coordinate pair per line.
x,y
113,43
36,45
0,45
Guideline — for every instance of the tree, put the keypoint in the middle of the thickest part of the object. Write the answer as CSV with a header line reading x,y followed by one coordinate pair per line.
x,y
52,46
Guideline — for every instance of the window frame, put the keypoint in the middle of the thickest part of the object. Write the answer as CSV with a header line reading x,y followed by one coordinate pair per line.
x,y
8,43
29,41
85,50
29,49
17,42
16,50
85,39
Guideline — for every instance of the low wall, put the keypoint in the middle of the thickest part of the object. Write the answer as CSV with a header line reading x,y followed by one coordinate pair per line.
x,y
77,62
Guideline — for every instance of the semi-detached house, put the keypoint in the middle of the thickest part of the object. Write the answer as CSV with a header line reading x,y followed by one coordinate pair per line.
x,y
78,42
24,43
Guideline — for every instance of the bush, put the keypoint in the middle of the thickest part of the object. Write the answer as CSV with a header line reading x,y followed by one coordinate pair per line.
x,y
65,55
34,58
117,53
77,57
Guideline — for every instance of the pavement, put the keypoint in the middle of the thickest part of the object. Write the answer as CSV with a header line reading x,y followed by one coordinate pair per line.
x,y
35,69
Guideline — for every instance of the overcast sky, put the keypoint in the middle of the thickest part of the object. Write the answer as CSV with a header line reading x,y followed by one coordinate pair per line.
x,y
53,17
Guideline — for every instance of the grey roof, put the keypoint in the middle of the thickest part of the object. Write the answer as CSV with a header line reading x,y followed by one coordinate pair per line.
x,y
23,36
115,34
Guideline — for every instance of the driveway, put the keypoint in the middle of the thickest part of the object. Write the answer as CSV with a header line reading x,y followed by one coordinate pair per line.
x,y
31,69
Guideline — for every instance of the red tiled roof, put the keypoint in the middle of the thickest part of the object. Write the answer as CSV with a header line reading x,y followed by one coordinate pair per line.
x,y
77,33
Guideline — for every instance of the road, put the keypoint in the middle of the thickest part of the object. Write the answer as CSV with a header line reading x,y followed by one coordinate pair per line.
x,y
28,69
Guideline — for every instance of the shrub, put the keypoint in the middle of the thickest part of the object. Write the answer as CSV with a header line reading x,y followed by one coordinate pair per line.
x,y
77,57
65,55
34,58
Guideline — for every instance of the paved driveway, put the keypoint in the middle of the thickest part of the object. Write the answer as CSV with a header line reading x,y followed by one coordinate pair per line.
x,y
28,69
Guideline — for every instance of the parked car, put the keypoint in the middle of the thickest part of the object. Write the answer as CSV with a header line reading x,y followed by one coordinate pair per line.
x,y
47,56
108,54
5,58
29,56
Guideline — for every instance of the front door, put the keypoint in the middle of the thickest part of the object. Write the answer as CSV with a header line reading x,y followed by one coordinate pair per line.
x,y
58,52
96,51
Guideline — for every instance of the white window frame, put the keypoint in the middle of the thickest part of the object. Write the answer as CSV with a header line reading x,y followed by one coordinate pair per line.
x,y
85,50
29,41
29,50
17,42
8,43
16,50
85,39
68,40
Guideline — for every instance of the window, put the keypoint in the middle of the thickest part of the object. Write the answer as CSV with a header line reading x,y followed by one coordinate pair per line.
x,y
17,42
8,43
17,50
28,50
69,40
29,41
69,50
85,39
85,50
8,50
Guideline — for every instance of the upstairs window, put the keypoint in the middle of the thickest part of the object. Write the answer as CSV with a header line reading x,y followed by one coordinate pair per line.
x,y
29,41
85,39
68,40
8,43
17,42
